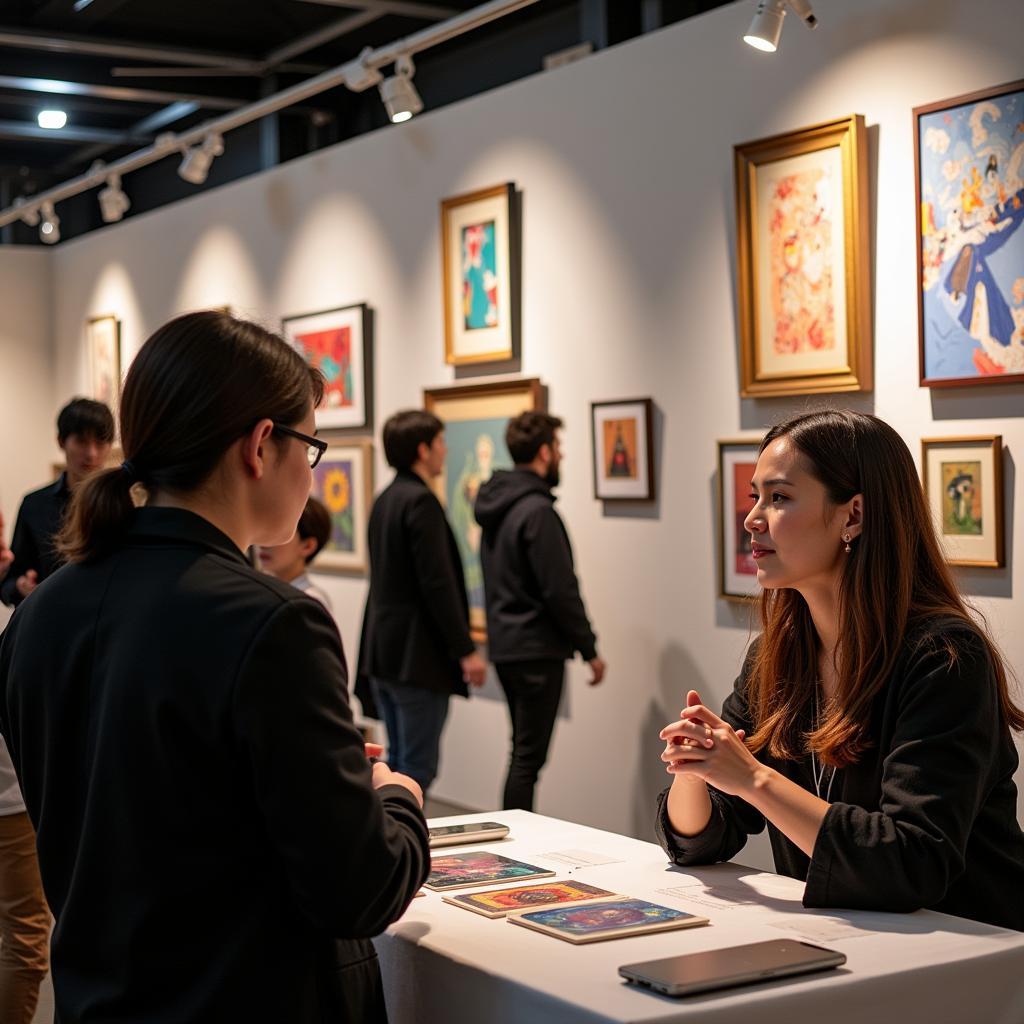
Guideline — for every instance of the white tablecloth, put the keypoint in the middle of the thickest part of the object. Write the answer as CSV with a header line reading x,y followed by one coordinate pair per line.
x,y
445,965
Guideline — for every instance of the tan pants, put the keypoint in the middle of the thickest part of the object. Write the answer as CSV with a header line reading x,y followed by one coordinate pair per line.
x,y
24,921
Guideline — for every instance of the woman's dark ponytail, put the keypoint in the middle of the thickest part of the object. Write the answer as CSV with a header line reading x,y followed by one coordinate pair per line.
x,y
197,385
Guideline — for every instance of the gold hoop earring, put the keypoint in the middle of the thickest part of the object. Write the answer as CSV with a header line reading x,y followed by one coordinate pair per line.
x,y
847,539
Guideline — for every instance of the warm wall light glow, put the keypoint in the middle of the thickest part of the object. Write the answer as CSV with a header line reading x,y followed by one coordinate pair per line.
x,y
52,119
759,44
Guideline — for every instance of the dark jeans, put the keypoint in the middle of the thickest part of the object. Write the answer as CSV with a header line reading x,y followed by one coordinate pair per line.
x,y
414,719
533,690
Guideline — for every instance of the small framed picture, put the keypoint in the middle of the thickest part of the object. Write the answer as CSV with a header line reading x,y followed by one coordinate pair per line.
x,y
338,343
737,570
343,481
963,482
622,436
103,344
480,258
803,277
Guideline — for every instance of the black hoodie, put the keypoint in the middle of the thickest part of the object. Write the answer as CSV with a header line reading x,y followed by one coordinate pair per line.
x,y
534,608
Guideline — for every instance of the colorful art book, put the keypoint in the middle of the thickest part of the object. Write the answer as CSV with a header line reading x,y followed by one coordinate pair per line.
x,y
499,902
459,870
605,919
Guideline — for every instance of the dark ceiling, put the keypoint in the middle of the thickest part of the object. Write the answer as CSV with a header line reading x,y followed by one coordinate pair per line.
x,y
127,70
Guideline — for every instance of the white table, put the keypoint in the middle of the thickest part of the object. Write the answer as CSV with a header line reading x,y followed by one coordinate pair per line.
x,y
445,965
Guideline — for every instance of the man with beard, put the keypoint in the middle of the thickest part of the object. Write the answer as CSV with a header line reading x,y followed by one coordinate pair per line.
x,y
535,615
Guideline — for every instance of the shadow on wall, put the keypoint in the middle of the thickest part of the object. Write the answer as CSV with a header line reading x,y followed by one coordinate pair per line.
x,y
677,673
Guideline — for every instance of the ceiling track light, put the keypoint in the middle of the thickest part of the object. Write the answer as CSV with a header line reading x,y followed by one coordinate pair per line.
x,y
49,226
195,166
766,28
401,100
114,204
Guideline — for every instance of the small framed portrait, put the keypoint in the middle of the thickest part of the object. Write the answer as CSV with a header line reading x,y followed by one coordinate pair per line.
x,y
480,258
338,343
803,278
343,481
622,438
963,482
970,239
103,346
475,417
737,570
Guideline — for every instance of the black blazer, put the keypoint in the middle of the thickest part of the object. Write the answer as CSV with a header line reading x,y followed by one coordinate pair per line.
x,y
416,624
39,521
206,825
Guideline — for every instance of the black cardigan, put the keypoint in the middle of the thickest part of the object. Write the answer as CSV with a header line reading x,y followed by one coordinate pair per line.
x,y
927,818
206,826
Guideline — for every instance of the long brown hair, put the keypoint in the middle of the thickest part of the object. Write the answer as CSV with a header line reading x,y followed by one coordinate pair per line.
x,y
895,578
196,386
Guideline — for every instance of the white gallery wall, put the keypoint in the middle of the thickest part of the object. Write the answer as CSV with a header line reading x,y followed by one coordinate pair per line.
x,y
28,429
624,161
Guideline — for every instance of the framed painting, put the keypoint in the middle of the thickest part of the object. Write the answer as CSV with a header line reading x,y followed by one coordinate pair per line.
x,y
475,417
343,481
103,345
338,343
963,482
622,439
480,257
803,278
737,570
969,176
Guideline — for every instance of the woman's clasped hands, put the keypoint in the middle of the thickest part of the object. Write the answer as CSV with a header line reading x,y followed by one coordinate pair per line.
x,y
703,747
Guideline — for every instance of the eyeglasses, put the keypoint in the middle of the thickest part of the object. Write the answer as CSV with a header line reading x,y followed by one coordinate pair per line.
x,y
316,446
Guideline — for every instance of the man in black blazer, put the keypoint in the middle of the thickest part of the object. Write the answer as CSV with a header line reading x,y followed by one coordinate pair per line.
x,y
416,650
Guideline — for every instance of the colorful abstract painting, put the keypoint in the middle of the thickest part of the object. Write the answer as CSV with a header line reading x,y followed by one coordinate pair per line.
x,y
330,352
970,158
737,570
479,276
498,902
961,499
606,919
458,870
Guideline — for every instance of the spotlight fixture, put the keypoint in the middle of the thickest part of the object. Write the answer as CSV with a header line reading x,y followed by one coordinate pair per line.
x,y
114,203
195,165
53,119
401,100
49,227
766,27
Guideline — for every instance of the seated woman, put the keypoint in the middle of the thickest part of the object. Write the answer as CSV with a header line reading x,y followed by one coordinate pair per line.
x,y
213,842
871,723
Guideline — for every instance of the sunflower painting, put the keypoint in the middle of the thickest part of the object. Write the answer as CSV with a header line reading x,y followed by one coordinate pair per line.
x,y
341,482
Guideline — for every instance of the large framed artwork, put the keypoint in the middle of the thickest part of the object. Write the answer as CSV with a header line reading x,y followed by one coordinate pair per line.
x,y
103,345
803,274
963,482
737,570
338,343
475,417
343,481
969,171
480,257
622,438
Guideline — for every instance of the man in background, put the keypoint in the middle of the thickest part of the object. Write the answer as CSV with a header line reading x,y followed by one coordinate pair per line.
x,y
290,562
535,615
85,433
416,650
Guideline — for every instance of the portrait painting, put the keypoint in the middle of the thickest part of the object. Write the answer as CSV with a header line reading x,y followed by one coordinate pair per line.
x,y
737,570
343,482
337,343
963,483
969,159
480,263
475,418
622,437
803,280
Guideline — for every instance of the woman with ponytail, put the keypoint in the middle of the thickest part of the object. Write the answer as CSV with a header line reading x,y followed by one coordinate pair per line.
x,y
871,724
213,841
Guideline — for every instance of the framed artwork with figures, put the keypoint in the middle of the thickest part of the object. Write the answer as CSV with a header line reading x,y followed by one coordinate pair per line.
x,y
338,342
969,179
480,261
803,276
475,417
737,570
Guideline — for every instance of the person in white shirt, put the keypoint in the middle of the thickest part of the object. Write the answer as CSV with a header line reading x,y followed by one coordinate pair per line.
x,y
290,562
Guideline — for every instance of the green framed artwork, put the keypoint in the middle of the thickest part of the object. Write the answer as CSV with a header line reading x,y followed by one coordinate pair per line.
x,y
475,417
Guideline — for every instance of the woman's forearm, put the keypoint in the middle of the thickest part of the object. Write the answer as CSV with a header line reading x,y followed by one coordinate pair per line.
x,y
689,806
796,813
